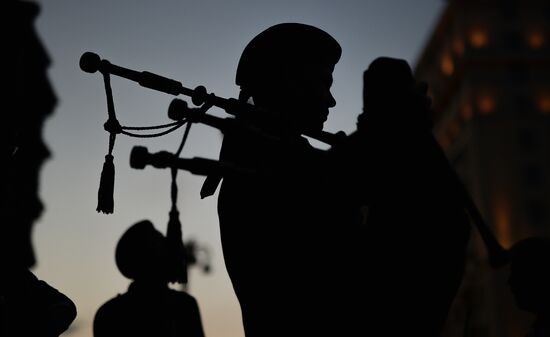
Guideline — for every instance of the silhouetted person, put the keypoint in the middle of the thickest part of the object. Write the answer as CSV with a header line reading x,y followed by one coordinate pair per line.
x,y
149,307
529,281
294,237
28,306
417,226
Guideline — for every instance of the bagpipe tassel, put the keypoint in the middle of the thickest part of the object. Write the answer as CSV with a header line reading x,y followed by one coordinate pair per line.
x,y
177,249
105,194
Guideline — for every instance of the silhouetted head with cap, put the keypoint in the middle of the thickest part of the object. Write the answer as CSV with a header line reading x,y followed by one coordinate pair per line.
x,y
142,254
288,68
529,277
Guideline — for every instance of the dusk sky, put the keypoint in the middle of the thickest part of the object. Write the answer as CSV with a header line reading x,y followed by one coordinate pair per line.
x,y
196,43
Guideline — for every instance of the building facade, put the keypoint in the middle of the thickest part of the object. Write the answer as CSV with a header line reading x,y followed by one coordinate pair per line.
x,y
487,63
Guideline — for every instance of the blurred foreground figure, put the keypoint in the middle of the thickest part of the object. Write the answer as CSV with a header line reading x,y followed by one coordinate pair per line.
x,y
366,238
149,307
529,281
28,306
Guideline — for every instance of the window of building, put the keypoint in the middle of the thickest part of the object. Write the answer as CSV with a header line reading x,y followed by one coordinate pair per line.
x,y
501,219
535,39
447,65
544,103
486,104
478,37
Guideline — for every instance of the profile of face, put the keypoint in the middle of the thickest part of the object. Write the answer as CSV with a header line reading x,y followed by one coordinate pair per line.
x,y
309,96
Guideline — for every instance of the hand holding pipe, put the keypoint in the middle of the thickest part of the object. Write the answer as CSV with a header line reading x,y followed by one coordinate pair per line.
x,y
91,63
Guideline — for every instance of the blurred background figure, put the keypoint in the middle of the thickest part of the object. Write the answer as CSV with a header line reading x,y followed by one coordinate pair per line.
x,y
149,307
529,281
28,306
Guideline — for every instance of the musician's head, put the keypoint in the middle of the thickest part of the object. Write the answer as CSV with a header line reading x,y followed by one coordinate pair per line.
x,y
288,68
142,253
529,277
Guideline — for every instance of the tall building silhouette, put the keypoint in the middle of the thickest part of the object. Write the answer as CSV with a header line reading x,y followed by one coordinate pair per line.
x,y
488,66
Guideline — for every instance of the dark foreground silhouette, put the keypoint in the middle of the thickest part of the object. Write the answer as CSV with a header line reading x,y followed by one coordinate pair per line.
x,y
367,238
529,281
28,306
149,307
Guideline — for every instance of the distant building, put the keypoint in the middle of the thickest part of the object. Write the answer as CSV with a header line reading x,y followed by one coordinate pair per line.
x,y
488,66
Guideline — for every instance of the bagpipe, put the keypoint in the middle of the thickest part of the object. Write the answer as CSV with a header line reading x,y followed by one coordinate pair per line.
x,y
181,113
187,254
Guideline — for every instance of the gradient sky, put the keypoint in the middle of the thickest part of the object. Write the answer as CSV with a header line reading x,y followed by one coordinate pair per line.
x,y
197,43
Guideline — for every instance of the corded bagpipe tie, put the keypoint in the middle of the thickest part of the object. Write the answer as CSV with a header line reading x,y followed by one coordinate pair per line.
x,y
105,198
